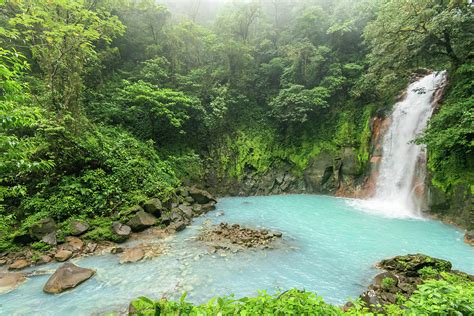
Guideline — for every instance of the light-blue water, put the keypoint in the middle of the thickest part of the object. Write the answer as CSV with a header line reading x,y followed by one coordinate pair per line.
x,y
330,248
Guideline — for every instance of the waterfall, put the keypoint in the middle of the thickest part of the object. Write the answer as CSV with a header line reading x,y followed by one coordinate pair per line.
x,y
403,165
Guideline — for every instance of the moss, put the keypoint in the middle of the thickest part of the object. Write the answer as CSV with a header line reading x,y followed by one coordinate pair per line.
x,y
365,135
40,246
102,231
256,149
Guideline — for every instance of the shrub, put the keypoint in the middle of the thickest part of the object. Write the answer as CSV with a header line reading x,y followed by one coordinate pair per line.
x,y
40,246
292,302
388,283
428,272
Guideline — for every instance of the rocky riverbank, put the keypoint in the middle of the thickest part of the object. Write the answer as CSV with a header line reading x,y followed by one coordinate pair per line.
x,y
169,217
153,220
401,277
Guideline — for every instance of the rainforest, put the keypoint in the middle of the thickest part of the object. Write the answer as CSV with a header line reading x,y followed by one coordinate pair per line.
x,y
236,157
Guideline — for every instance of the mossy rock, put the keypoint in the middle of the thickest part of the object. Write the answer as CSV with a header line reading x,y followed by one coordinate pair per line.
x,y
412,263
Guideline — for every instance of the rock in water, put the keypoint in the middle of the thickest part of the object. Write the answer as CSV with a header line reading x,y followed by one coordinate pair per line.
x,y
66,277
78,228
63,255
177,227
141,221
469,237
412,263
187,210
74,244
19,264
201,196
10,281
132,255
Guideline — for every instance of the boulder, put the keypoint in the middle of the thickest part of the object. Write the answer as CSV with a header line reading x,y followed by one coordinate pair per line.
x,y
208,207
187,210
201,196
44,259
178,226
469,237
132,210
141,221
66,277
74,244
10,281
183,191
19,264
78,228
121,230
176,215
91,247
131,255
43,227
409,265
63,255
197,208
371,300
116,250
153,206
50,239
378,280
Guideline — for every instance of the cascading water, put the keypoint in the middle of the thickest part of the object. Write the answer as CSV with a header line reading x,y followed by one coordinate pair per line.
x,y
402,168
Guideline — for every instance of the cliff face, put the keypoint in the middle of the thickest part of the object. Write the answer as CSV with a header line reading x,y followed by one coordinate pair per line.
x,y
327,173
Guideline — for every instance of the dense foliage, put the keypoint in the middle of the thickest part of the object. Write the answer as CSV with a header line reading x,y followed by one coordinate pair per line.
x,y
104,104
451,294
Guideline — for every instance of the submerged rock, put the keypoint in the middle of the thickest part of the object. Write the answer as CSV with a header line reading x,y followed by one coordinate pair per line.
x,y
10,281
132,255
141,221
66,277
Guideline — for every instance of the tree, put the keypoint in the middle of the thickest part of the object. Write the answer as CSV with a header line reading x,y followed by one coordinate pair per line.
x,y
157,114
295,104
19,143
419,33
239,19
61,36
146,24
